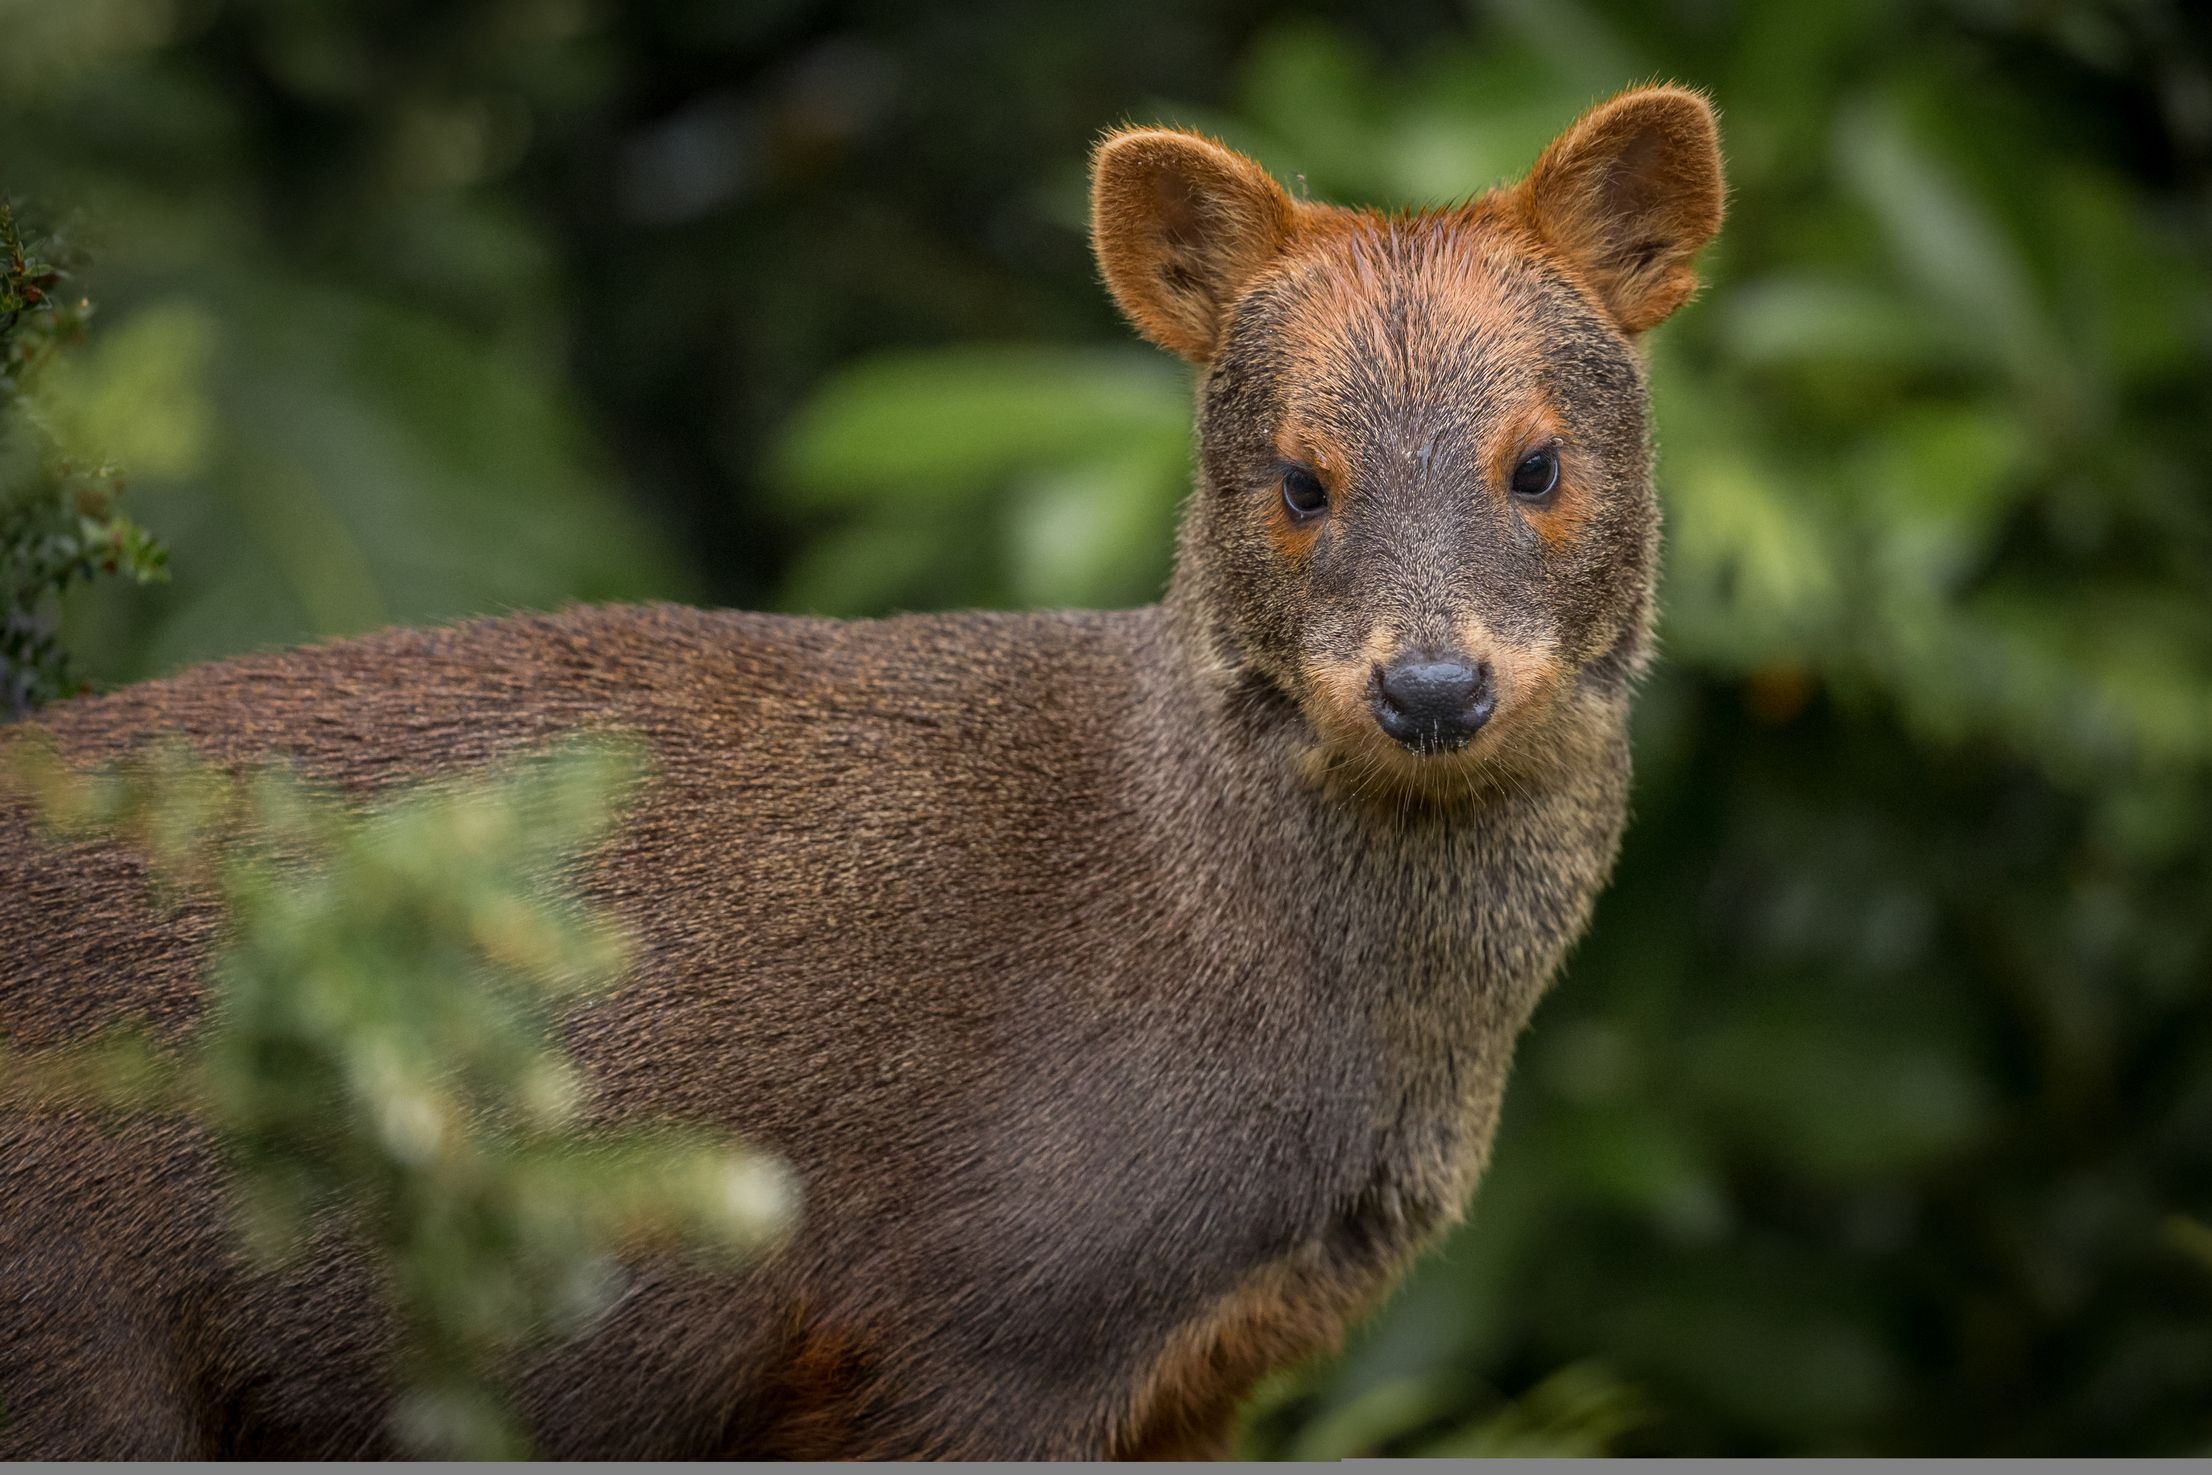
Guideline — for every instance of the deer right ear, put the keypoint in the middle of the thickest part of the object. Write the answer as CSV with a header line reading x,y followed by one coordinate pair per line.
x,y
1181,225
1629,195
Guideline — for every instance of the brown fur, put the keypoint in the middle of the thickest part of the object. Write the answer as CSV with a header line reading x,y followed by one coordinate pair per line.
x,y
1625,199
1186,1407
1181,224
1129,1007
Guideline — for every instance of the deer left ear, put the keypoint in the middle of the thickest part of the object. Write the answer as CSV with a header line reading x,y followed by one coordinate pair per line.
x,y
1181,226
1628,196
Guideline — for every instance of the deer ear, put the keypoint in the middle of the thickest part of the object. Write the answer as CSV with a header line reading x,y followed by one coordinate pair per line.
x,y
1627,196
1181,225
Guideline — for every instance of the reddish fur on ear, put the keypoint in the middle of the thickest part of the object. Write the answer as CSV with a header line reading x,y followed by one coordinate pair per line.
x,y
1627,196
1180,225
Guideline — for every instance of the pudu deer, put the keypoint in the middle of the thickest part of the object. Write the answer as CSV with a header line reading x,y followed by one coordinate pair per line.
x,y
1131,992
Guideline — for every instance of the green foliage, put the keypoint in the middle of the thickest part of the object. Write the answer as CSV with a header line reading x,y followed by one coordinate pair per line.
x,y
353,374
379,1059
1579,1412
1076,461
59,522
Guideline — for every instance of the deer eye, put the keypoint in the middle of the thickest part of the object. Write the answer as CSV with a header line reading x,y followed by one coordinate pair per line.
x,y
1303,494
1537,474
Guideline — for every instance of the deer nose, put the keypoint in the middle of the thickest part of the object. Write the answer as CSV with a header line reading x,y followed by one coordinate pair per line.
x,y
1433,703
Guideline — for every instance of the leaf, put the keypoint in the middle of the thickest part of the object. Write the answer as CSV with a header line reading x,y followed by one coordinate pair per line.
x,y
948,425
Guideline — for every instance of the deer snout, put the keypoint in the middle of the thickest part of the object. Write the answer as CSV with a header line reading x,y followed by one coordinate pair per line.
x,y
1432,702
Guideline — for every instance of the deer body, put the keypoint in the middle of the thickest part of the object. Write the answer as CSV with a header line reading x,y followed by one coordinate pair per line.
x,y
1128,1012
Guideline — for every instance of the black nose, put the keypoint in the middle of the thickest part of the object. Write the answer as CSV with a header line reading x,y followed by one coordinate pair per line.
x,y
1433,703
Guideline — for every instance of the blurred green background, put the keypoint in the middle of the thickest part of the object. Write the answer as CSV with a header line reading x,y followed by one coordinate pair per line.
x,y
1875,1114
